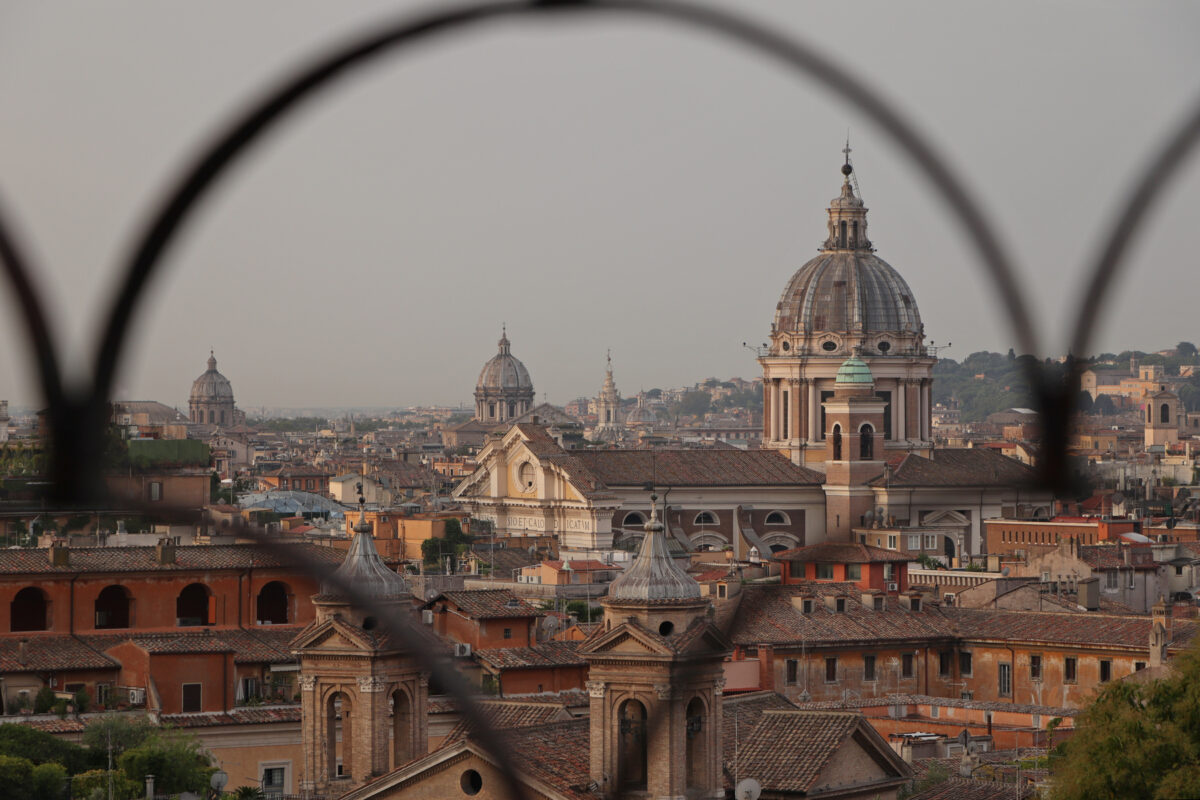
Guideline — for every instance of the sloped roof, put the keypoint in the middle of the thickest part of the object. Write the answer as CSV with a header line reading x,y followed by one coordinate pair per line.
x,y
509,714
740,713
546,654
813,738
486,603
696,467
841,553
187,558
49,653
958,467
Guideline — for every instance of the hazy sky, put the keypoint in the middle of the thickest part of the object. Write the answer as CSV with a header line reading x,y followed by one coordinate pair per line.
x,y
595,184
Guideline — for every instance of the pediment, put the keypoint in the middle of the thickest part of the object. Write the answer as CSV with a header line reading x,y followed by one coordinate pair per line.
x,y
332,635
948,518
626,638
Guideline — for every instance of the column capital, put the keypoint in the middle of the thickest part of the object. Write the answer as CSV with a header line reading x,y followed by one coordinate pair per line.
x,y
308,683
371,683
595,688
664,691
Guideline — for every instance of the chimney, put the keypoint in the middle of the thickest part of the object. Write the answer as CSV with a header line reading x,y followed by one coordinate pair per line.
x,y
766,667
60,553
149,787
1160,633
1088,593
164,551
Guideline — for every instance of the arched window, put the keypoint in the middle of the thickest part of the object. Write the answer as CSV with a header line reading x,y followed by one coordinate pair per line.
x,y
843,233
866,443
402,728
192,606
112,607
274,600
30,610
1164,413
854,234
631,766
222,416
777,518
633,518
697,744
706,518
837,442
512,410
491,410
1149,413
212,417
337,726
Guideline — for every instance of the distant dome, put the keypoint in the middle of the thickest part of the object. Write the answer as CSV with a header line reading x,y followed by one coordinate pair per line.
x,y
847,292
212,386
854,371
504,372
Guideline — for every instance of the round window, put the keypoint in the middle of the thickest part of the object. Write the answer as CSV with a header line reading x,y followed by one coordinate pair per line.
x,y
525,475
829,346
370,624
786,347
471,782
666,627
885,346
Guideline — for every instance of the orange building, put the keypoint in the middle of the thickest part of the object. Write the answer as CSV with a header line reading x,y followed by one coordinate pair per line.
x,y
173,628
568,573
1009,536
482,618
865,566
546,667
399,535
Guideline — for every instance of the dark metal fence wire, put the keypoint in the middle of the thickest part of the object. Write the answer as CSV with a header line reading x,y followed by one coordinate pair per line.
x,y
77,411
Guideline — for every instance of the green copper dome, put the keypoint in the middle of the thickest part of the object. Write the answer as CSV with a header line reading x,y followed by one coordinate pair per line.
x,y
854,370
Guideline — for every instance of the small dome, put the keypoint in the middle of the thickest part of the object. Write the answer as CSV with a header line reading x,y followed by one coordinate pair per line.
x,y
211,386
654,575
854,371
365,571
504,372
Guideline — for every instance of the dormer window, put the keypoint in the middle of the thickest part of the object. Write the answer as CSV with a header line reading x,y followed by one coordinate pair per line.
x,y
840,605
807,606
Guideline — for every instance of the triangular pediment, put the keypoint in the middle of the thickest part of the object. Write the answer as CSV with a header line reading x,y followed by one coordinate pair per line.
x,y
948,518
332,635
626,638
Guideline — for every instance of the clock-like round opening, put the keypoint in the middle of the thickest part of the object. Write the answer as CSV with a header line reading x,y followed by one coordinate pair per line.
x,y
829,346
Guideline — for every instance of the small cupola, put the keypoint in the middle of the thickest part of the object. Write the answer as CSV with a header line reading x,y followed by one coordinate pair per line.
x,y
847,216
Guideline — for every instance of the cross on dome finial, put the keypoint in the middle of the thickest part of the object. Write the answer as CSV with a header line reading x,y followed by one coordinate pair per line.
x,y
846,168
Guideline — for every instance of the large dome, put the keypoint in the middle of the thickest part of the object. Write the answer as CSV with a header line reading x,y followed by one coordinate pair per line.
x,y
847,291
212,386
504,372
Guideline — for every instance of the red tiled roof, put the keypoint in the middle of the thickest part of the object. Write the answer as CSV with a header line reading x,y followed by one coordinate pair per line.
x,y
841,553
812,737
958,467
1106,557
557,755
956,788
486,603
713,575
249,715
47,724
28,561
589,565
697,467
546,654
508,714
739,714
50,653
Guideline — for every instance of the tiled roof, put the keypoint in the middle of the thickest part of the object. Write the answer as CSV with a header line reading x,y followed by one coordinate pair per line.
x,y
248,715
503,560
714,575
265,645
766,614
954,702
813,737
546,654
956,788
1108,556
27,561
739,715
841,553
958,467
508,714
1048,626
696,467
589,565
557,755
486,603
50,653
47,724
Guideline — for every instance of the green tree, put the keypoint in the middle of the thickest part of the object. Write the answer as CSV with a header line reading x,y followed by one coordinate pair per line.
x,y
695,403
1185,349
48,781
582,611
44,700
93,785
1136,740
40,747
248,793
123,731
16,776
177,761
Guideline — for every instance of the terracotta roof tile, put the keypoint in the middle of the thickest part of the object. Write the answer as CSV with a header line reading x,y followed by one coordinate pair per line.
x,y
50,653
958,467
509,714
249,715
956,788
696,467
486,603
813,737
841,553
546,654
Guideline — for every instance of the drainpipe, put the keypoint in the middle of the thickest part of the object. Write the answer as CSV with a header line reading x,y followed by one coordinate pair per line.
x,y
71,608
1012,695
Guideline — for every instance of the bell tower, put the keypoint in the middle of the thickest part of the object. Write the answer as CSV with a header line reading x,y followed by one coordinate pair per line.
x,y
853,448
655,680
363,697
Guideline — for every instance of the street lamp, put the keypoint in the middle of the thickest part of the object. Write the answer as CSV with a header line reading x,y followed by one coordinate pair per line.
x,y
218,781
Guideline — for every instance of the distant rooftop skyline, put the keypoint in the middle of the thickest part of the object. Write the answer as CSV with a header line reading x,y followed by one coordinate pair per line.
x,y
614,184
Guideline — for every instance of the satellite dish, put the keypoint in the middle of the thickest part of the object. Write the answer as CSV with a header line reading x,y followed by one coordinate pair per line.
x,y
748,789
1004,572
